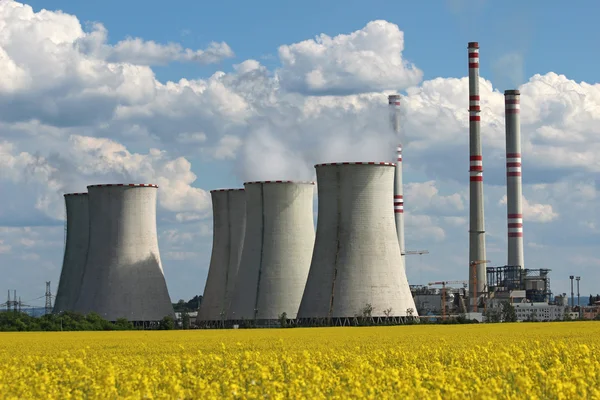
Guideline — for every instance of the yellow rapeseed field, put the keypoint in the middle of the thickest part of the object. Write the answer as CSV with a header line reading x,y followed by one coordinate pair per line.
x,y
499,361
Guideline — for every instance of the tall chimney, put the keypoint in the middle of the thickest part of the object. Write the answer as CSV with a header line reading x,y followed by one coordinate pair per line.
x,y
394,103
514,191
477,256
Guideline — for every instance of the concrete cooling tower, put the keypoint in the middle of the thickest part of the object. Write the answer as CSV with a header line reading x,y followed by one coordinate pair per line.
x,y
278,244
229,224
123,275
76,247
356,256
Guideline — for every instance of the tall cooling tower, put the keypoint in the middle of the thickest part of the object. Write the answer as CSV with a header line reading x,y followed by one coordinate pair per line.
x,y
514,190
229,224
477,253
123,275
76,247
356,255
278,244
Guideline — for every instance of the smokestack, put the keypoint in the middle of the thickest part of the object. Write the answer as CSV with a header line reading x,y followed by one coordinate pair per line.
x,y
394,104
477,276
514,191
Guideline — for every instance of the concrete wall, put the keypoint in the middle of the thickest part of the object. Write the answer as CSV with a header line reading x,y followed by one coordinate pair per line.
x,y
229,224
356,259
76,247
123,275
277,250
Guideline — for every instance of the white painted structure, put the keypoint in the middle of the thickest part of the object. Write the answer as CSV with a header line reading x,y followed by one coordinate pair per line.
x,y
229,224
542,312
356,257
278,244
123,275
76,247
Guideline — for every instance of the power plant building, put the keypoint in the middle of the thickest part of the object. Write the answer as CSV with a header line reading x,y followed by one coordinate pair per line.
x,y
278,244
76,247
356,261
123,275
229,225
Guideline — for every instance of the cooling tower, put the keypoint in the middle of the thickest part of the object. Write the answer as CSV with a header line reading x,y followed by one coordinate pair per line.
x,y
514,190
394,104
123,275
477,254
229,224
356,255
76,247
278,244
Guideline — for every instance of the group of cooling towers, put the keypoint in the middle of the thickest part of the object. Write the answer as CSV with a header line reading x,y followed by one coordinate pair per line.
x,y
266,258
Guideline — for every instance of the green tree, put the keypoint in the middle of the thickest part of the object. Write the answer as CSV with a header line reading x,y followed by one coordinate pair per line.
x,y
167,323
185,320
508,312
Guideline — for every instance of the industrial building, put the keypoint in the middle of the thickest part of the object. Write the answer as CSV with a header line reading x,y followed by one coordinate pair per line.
x,y
267,261
76,248
278,245
229,225
356,268
123,276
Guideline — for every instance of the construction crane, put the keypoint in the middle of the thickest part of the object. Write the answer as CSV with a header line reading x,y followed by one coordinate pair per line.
x,y
475,296
444,283
412,252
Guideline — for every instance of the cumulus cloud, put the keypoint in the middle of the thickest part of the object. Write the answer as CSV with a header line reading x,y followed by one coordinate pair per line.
x,y
534,212
147,52
88,160
425,196
366,60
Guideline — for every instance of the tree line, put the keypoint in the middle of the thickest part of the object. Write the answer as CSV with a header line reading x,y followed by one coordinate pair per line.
x,y
69,321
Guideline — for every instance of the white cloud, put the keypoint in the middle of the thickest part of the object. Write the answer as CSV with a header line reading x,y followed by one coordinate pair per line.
x,y
534,212
366,60
424,196
147,52
4,248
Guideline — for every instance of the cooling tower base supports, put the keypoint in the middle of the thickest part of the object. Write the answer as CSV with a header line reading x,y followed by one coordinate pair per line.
x,y
308,322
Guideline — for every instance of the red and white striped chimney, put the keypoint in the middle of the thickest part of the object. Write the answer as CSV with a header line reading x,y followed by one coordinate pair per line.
x,y
394,104
477,253
514,189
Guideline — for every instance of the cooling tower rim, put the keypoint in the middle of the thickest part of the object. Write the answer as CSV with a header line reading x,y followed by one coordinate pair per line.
x,y
387,164
125,185
227,190
295,182
75,194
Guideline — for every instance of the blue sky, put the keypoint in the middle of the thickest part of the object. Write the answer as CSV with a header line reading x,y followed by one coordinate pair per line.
x,y
434,30
258,125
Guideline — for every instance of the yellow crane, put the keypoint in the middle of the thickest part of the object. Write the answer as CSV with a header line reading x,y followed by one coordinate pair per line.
x,y
444,283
